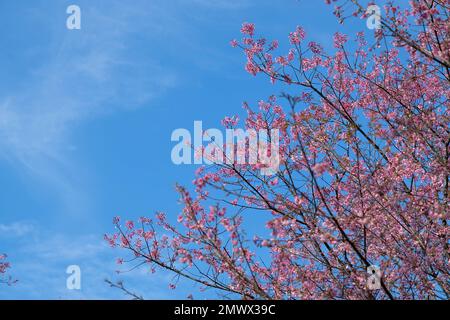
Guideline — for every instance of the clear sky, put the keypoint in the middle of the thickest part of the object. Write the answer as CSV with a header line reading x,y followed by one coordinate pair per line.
x,y
86,118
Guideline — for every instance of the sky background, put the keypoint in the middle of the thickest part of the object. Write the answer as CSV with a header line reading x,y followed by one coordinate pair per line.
x,y
86,118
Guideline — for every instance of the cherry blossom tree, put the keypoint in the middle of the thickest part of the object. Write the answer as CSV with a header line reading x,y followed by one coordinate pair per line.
x,y
363,178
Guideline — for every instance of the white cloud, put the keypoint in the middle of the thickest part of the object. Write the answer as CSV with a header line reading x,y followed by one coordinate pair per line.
x,y
16,229
40,266
94,71
91,73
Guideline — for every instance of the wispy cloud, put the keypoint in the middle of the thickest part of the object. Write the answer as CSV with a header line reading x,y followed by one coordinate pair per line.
x,y
16,229
92,72
113,64
41,260
40,267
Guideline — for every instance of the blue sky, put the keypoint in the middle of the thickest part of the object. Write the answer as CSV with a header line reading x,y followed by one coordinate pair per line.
x,y
86,118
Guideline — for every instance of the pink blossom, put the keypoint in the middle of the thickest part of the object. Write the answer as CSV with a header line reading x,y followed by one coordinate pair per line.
x,y
297,36
248,28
